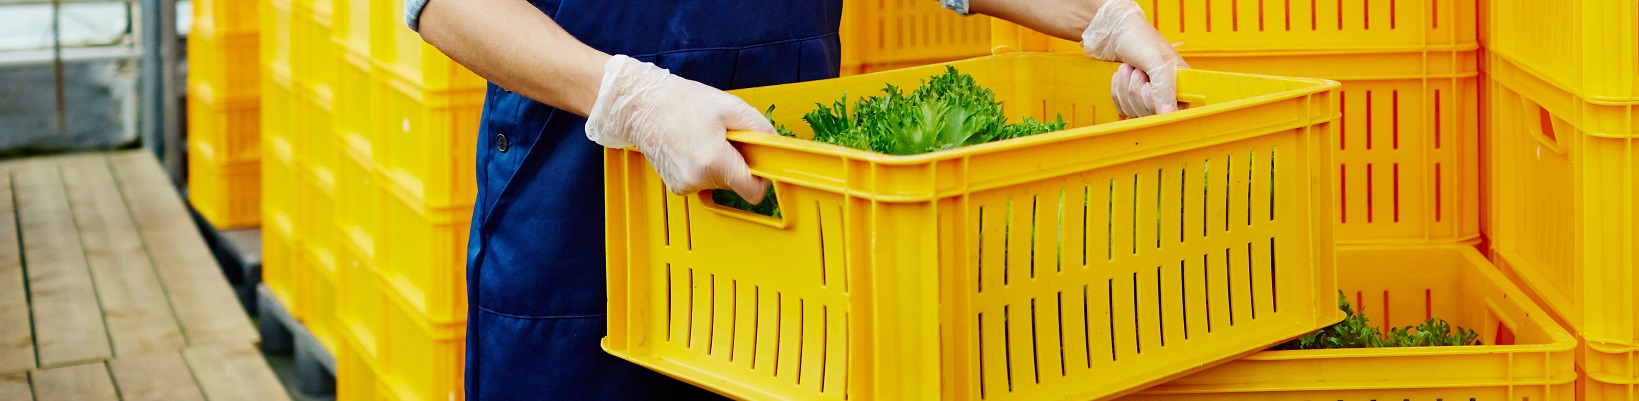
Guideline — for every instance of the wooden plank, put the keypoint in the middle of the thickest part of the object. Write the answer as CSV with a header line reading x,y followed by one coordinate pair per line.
x,y
15,387
16,331
234,372
84,382
68,323
204,304
134,305
155,377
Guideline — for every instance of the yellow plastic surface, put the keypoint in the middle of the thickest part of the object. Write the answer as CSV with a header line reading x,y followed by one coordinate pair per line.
x,y
227,194
1611,371
361,211
217,18
1525,354
424,258
1407,156
312,59
1270,27
1565,187
225,131
362,312
356,104
401,53
426,140
324,321
1588,47
284,271
350,27
879,35
1408,150
275,39
356,379
228,67
1081,264
422,360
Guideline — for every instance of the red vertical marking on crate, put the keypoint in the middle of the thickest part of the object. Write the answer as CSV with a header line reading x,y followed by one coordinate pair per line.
x,y
1208,15
1397,192
1435,17
1369,120
1369,193
1343,121
1437,125
1343,193
1387,322
1155,20
1288,13
1392,18
1314,16
1181,15
1260,16
1394,103
1438,194
1428,304
1339,15
1235,15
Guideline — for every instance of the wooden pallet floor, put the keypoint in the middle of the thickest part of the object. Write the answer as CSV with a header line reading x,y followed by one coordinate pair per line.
x,y
108,292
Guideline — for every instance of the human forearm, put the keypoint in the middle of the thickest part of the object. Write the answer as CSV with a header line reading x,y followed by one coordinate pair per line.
x,y
515,46
1064,19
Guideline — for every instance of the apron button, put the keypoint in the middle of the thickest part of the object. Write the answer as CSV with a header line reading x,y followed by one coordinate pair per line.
x,y
501,143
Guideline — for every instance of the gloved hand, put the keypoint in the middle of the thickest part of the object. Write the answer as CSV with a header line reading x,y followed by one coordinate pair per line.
x,y
1147,82
678,124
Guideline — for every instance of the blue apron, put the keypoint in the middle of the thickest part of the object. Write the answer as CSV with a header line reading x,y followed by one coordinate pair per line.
x,y
535,263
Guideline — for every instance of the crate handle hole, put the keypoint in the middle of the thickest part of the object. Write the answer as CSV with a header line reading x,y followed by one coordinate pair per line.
x,y
728,203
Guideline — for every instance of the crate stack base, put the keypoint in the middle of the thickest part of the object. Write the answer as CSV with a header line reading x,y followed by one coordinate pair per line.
x,y
693,294
1524,353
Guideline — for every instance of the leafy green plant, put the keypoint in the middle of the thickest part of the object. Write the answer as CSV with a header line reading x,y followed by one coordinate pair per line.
x,y
1356,331
948,111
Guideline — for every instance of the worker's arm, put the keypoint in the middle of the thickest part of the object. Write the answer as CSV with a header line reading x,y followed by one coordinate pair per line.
x,y
1110,30
516,46
678,124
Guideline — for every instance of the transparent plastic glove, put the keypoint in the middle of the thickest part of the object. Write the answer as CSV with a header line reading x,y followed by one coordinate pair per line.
x,y
1147,82
678,124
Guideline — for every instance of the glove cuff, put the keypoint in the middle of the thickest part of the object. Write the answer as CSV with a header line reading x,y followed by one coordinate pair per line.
x,y
623,77
1099,39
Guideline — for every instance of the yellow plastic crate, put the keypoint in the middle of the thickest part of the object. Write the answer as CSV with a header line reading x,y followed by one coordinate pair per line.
x,y
360,212
313,135
424,258
1259,27
276,38
356,104
216,18
362,313
312,62
350,27
401,53
227,67
1525,354
879,35
426,143
1611,371
356,379
228,194
1588,47
225,130
1407,158
1564,195
422,360
324,321
1081,264
284,270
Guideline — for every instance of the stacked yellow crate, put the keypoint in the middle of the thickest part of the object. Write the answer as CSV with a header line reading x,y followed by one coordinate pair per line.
x,y
284,144
222,114
1564,132
878,35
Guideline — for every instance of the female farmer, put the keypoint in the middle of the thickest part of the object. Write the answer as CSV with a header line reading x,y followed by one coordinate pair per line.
x,y
569,77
